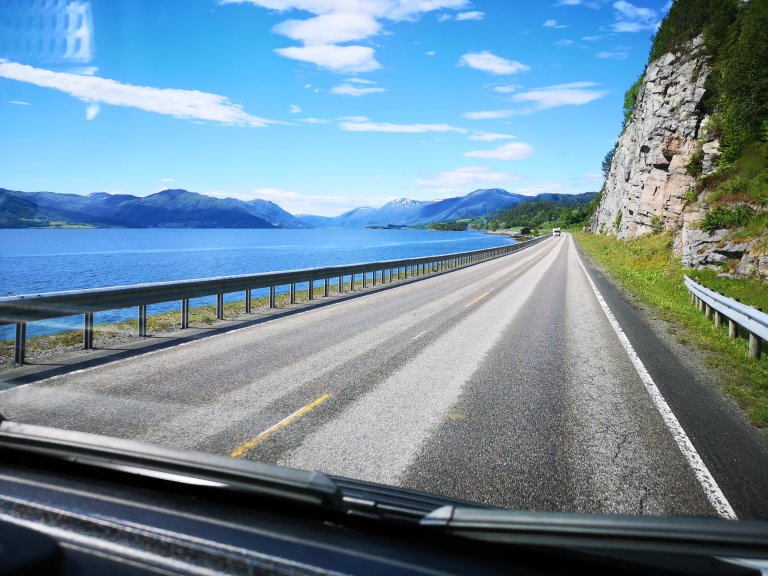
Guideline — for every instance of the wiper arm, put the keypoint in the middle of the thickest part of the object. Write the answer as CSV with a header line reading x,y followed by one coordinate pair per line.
x,y
193,468
585,530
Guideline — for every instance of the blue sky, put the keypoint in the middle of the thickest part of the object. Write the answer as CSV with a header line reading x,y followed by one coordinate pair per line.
x,y
318,105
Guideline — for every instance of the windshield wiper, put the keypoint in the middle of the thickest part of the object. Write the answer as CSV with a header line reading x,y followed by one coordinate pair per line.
x,y
345,497
189,468
717,536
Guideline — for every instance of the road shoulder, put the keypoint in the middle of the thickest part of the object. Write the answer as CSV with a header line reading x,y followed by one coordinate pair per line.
x,y
735,452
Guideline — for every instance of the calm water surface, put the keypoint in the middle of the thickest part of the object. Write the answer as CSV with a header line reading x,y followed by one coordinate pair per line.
x,y
34,261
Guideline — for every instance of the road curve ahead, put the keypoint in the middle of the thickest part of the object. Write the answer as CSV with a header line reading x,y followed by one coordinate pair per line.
x,y
504,383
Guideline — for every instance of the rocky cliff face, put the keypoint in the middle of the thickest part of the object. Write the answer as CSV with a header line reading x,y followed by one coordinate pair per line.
x,y
647,183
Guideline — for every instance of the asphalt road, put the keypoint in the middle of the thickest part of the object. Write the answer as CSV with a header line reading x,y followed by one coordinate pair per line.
x,y
504,383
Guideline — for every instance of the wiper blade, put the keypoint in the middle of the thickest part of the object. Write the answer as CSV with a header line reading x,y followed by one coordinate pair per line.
x,y
194,468
613,531
352,498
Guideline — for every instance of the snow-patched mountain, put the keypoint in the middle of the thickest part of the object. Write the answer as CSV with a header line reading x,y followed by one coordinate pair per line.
x,y
399,211
404,211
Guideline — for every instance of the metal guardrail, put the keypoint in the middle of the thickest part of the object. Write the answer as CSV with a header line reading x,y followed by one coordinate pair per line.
x,y
26,308
717,306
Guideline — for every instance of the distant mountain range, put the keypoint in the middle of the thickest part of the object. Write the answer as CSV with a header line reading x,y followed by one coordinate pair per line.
x,y
166,209
405,212
183,209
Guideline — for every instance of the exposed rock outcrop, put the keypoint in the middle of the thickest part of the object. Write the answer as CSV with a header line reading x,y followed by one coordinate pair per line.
x,y
648,181
649,188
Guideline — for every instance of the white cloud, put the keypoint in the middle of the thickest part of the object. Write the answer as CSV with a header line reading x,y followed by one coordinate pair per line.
x,y
337,21
395,10
487,114
330,28
19,103
360,81
614,55
366,126
444,17
294,109
335,58
349,90
165,180
592,177
572,94
91,111
187,104
354,119
564,43
631,18
487,62
314,120
474,15
550,187
594,4
431,53
297,203
467,178
490,136
553,24
505,88
509,151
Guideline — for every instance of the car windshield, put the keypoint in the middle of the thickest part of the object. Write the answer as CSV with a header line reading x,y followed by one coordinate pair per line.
x,y
510,253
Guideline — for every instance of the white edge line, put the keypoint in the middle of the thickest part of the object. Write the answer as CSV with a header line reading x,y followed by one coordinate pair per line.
x,y
705,478
419,335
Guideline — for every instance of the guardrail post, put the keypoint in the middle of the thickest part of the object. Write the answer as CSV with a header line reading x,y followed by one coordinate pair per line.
x,y
293,292
88,331
272,297
733,329
311,289
707,311
341,284
351,282
398,272
754,346
755,342
373,281
365,279
142,320
20,344
185,313
247,301
718,320
327,287
219,306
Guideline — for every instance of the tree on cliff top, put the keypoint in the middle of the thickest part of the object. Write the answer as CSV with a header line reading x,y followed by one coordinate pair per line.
x,y
687,19
740,81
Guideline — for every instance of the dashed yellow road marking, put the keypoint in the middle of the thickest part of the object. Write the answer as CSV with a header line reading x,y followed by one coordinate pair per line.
x,y
476,300
243,448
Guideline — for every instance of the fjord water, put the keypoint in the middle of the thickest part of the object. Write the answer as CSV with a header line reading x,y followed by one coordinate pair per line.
x,y
51,260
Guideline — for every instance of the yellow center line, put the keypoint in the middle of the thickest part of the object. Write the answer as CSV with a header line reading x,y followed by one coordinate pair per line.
x,y
476,300
243,448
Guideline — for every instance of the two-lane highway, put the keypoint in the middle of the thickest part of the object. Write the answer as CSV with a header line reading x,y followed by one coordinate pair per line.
x,y
504,382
